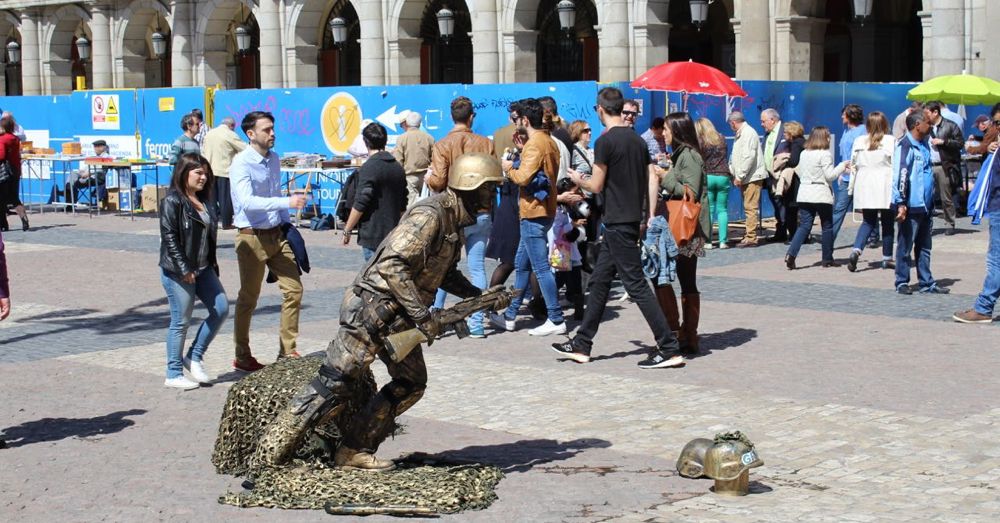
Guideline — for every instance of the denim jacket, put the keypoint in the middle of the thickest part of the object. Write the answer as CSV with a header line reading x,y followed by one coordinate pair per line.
x,y
660,252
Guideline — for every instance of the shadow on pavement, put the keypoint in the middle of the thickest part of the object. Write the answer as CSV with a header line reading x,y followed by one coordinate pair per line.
x,y
54,429
729,339
522,456
642,349
947,282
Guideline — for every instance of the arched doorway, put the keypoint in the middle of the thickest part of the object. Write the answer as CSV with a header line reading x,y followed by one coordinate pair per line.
x,y
11,70
713,44
341,64
445,60
215,41
140,66
567,55
888,47
62,69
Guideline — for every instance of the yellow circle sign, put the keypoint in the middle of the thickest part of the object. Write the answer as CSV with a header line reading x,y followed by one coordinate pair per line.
x,y
341,122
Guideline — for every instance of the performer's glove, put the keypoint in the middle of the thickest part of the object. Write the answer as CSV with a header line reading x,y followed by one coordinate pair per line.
x,y
431,328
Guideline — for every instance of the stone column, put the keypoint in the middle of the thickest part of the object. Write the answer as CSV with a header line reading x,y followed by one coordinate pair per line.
x,y
944,39
181,43
31,81
613,38
100,29
520,61
485,52
404,61
799,48
372,44
270,44
753,45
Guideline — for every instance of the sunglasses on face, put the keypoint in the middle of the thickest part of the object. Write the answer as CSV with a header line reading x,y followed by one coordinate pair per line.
x,y
996,123
630,114
587,130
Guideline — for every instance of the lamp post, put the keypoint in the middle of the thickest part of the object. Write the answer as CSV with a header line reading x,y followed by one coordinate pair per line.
x,y
242,34
699,12
567,16
13,69
338,28
446,23
83,48
862,10
159,42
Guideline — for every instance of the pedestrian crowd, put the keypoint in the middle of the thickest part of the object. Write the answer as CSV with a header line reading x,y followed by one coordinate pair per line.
x,y
579,210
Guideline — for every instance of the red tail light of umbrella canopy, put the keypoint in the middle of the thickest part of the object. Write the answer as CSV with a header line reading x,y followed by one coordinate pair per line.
x,y
688,77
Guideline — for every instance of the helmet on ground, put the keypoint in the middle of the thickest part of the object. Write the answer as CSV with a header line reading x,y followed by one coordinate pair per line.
x,y
472,170
691,462
726,460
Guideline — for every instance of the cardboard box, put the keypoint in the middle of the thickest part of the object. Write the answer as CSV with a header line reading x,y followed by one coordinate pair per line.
x,y
128,199
112,199
152,195
72,148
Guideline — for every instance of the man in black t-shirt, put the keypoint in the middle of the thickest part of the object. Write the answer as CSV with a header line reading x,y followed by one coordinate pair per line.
x,y
621,173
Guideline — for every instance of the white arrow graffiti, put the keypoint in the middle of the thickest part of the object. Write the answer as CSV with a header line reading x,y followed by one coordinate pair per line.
x,y
389,118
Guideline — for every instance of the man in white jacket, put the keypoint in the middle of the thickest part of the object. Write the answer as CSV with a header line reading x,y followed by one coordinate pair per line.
x,y
747,166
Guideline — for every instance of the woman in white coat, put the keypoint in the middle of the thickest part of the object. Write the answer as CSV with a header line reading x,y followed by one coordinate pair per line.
x,y
871,185
815,197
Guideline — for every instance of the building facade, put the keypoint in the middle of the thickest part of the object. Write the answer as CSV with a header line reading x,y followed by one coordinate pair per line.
x,y
290,43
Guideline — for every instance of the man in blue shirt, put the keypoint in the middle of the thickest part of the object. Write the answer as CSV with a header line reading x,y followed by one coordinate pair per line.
x,y
913,193
853,117
259,211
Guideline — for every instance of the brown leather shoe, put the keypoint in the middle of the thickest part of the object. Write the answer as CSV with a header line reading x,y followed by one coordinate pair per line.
x,y
356,460
691,306
971,316
250,365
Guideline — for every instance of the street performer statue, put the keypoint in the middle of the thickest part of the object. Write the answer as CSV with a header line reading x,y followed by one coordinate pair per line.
x,y
390,296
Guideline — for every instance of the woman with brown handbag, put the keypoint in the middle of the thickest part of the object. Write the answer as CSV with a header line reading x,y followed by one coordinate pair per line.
x,y
684,187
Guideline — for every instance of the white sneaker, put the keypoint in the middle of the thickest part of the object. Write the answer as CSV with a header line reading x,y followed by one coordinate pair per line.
x,y
197,370
548,328
501,322
180,382
624,298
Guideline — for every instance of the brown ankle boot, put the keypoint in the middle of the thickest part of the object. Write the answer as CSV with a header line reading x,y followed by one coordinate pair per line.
x,y
354,459
691,304
668,304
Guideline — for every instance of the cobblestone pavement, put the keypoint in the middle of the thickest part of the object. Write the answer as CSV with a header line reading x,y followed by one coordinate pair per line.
x,y
865,405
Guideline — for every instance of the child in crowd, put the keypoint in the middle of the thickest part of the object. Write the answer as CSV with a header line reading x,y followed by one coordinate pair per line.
x,y
565,236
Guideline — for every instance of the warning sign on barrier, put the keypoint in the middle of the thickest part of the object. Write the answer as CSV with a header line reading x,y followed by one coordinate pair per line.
x,y
104,112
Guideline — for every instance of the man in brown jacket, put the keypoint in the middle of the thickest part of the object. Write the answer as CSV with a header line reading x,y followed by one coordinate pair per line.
x,y
460,140
413,152
536,174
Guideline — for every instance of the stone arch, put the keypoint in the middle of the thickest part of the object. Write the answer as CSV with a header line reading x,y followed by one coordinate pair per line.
x,y
214,44
58,51
308,42
135,64
10,74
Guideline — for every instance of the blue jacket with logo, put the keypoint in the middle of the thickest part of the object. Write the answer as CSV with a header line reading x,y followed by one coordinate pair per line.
x,y
912,179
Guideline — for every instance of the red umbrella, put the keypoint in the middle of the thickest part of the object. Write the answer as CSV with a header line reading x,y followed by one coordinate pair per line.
x,y
688,77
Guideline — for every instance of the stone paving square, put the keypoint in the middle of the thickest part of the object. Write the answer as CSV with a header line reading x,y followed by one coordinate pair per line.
x,y
865,406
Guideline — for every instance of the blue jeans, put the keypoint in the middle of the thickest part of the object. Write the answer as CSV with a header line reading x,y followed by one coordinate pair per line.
x,y
914,237
869,229
533,256
991,285
367,253
807,214
476,236
842,203
180,296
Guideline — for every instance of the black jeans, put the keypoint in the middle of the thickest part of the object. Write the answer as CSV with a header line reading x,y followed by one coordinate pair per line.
x,y
620,255
223,201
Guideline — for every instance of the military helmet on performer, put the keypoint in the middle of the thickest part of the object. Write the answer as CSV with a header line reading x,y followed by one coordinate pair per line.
x,y
471,170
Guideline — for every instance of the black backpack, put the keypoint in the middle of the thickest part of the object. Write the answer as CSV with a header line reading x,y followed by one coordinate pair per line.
x,y
346,201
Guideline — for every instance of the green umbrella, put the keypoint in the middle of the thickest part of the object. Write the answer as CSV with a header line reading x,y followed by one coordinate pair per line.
x,y
962,89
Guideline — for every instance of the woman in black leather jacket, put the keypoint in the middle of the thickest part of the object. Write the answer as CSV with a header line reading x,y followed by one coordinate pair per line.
x,y
188,267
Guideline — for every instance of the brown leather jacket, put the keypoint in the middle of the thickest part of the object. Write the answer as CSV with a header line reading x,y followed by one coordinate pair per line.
x,y
539,153
420,255
458,142
989,137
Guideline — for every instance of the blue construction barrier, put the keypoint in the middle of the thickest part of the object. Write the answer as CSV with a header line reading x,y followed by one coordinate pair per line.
x,y
326,120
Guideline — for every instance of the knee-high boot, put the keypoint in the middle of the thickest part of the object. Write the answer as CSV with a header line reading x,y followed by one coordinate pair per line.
x,y
668,304
691,305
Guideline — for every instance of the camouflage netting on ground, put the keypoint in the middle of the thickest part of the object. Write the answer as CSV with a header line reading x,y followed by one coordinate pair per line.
x,y
310,480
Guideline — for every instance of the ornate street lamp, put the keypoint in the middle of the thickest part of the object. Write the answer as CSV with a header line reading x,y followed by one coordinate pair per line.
x,y
862,10
159,44
242,33
83,48
13,53
446,23
567,15
338,27
699,12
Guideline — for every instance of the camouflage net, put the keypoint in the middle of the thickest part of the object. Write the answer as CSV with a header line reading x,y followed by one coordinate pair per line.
x,y
310,480
734,436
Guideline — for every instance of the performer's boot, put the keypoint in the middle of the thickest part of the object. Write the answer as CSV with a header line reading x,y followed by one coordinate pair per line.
x,y
285,433
349,458
668,304
691,303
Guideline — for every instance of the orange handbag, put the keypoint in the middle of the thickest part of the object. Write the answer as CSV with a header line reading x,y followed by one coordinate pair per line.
x,y
682,215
